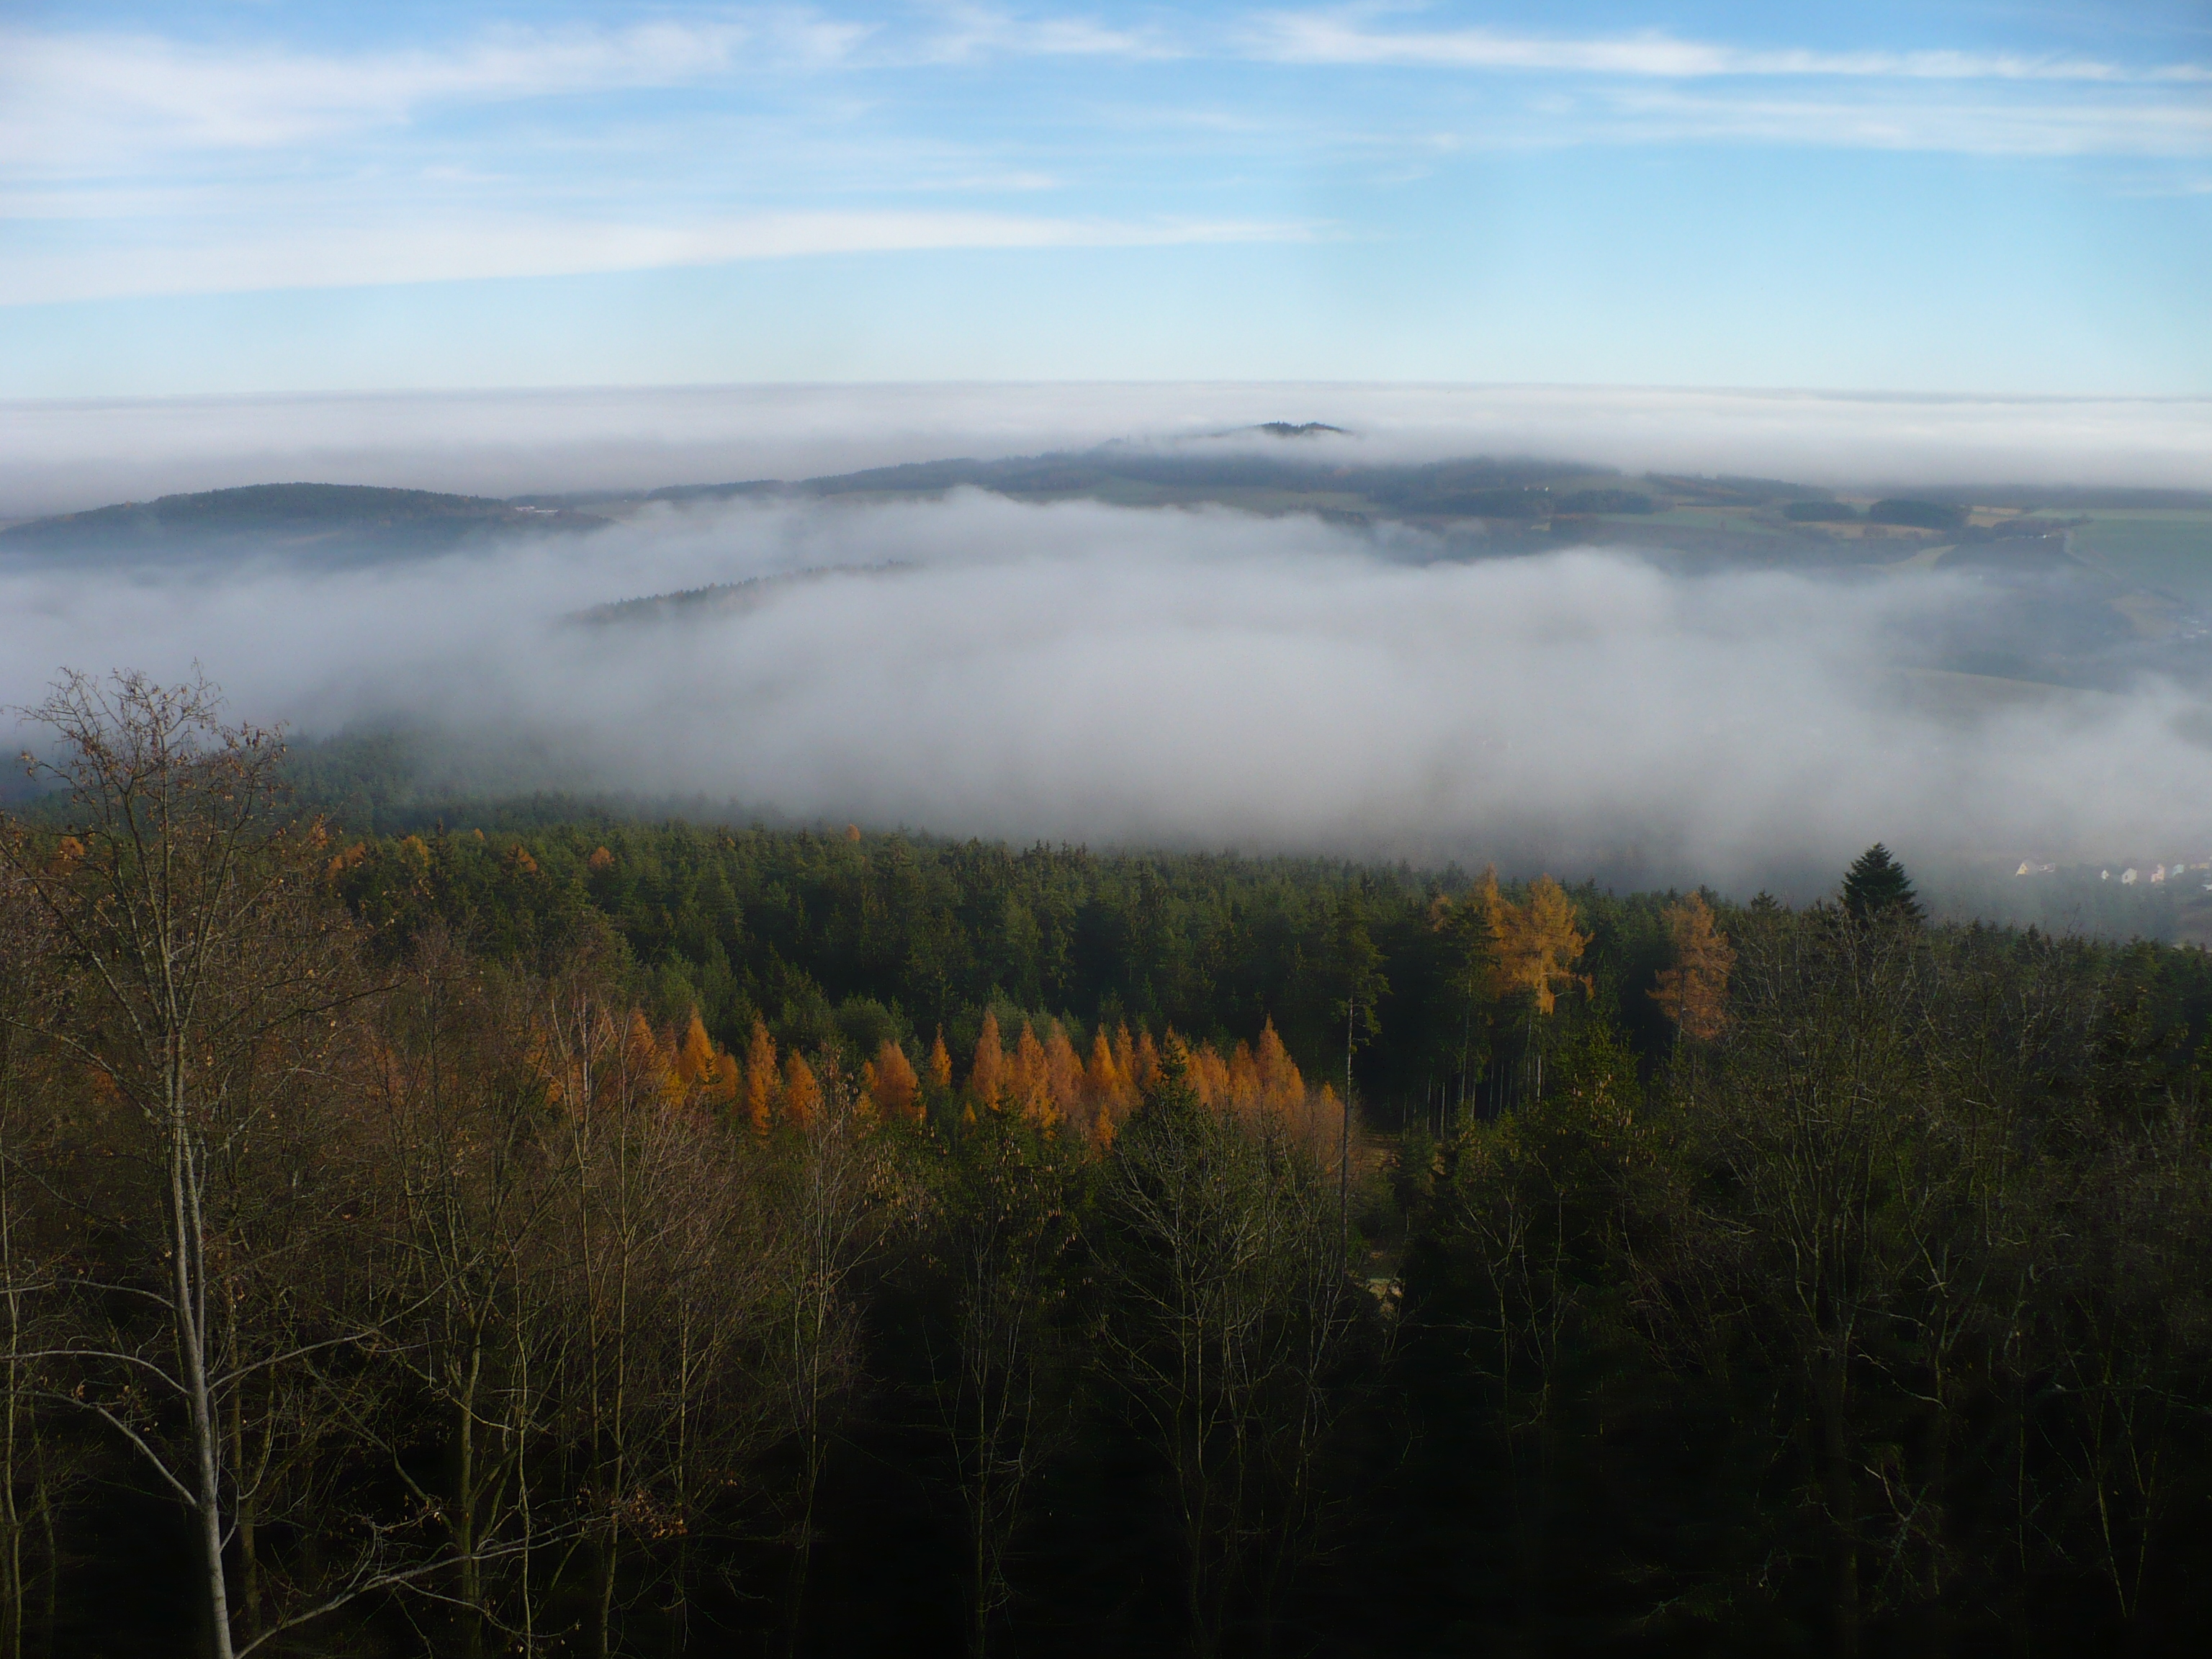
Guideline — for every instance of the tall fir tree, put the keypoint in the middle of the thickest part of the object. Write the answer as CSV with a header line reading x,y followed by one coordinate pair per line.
x,y
1877,883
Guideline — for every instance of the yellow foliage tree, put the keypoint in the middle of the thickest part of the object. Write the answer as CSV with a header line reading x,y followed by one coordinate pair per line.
x,y
1281,1088
802,1091
1028,1083
762,1078
895,1088
1125,1062
1534,945
1102,1078
724,1087
1693,992
695,1059
1145,1070
1106,1093
941,1062
1063,1074
646,1058
986,1077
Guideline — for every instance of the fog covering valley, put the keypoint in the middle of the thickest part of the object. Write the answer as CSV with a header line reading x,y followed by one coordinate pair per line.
x,y
1364,640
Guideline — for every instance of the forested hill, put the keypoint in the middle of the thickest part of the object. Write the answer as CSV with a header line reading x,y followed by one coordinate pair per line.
x,y
839,941
332,520
670,1241
844,942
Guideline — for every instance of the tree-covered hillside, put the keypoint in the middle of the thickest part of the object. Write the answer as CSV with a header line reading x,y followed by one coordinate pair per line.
x,y
663,1240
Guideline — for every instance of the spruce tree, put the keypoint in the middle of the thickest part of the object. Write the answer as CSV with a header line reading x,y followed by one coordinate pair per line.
x,y
1877,883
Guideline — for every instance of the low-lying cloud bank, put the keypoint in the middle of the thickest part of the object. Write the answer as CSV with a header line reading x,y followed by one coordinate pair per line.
x,y
64,457
1200,677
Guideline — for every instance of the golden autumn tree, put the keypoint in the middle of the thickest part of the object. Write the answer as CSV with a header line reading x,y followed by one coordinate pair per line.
x,y
1063,1073
763,1078
648,1059
1693,992
694,1057
894,1086
1030,1081
725,1085
1534,945
986,1077
941,1062
1101,1076
1144,1067
1106,1091
802,1089
1281,1087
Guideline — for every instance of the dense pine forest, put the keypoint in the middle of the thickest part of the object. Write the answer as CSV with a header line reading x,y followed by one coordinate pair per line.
x,y
607,1238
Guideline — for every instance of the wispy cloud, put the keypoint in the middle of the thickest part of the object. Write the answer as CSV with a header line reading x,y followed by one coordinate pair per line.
x,y
72,98
257,155
963,34
1957,125
356,254
1347,37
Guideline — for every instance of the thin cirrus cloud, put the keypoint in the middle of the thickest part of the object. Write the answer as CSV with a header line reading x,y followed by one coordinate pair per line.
x,y
1966,126
1653,87
462,250
71,100
77,102
1329,38
177,153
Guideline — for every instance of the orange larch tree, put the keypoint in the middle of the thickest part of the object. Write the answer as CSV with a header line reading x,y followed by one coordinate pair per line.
x,y
1281,1088
1125,1062
1144,1068
986,1076
763,1079
1693,992
802,1090
695,1059
1029,1082
1534,945
894,1086
727,1082
1063,1074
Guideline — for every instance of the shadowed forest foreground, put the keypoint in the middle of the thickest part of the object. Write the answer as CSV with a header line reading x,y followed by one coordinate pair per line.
x,y
605,1240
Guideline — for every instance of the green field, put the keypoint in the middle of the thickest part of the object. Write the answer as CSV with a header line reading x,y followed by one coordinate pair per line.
x,y
2166,549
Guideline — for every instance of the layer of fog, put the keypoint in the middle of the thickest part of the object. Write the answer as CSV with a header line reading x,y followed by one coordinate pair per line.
x,y
63,456
1198,679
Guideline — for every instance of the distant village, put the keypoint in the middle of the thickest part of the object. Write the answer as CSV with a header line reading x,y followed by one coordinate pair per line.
x,y
2131,875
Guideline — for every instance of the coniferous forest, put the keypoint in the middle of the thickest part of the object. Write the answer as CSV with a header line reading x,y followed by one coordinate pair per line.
x,y
609,1239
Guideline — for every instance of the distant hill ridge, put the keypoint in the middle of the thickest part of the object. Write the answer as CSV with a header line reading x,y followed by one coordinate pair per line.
x,y
337,522
366,516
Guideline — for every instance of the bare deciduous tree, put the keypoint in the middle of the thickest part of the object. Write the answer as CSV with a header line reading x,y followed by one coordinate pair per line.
x,y
203,970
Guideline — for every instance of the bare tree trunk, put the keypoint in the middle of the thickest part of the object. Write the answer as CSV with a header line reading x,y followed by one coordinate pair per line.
x,y
1344,1141
243,1528
189,1308
15,1589
464,1507
1839,1491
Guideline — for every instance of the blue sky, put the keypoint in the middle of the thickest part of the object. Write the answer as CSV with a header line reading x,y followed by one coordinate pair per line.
x,y
234,198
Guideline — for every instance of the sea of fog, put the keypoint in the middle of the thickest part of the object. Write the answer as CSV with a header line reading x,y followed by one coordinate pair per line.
x,y
1187,677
